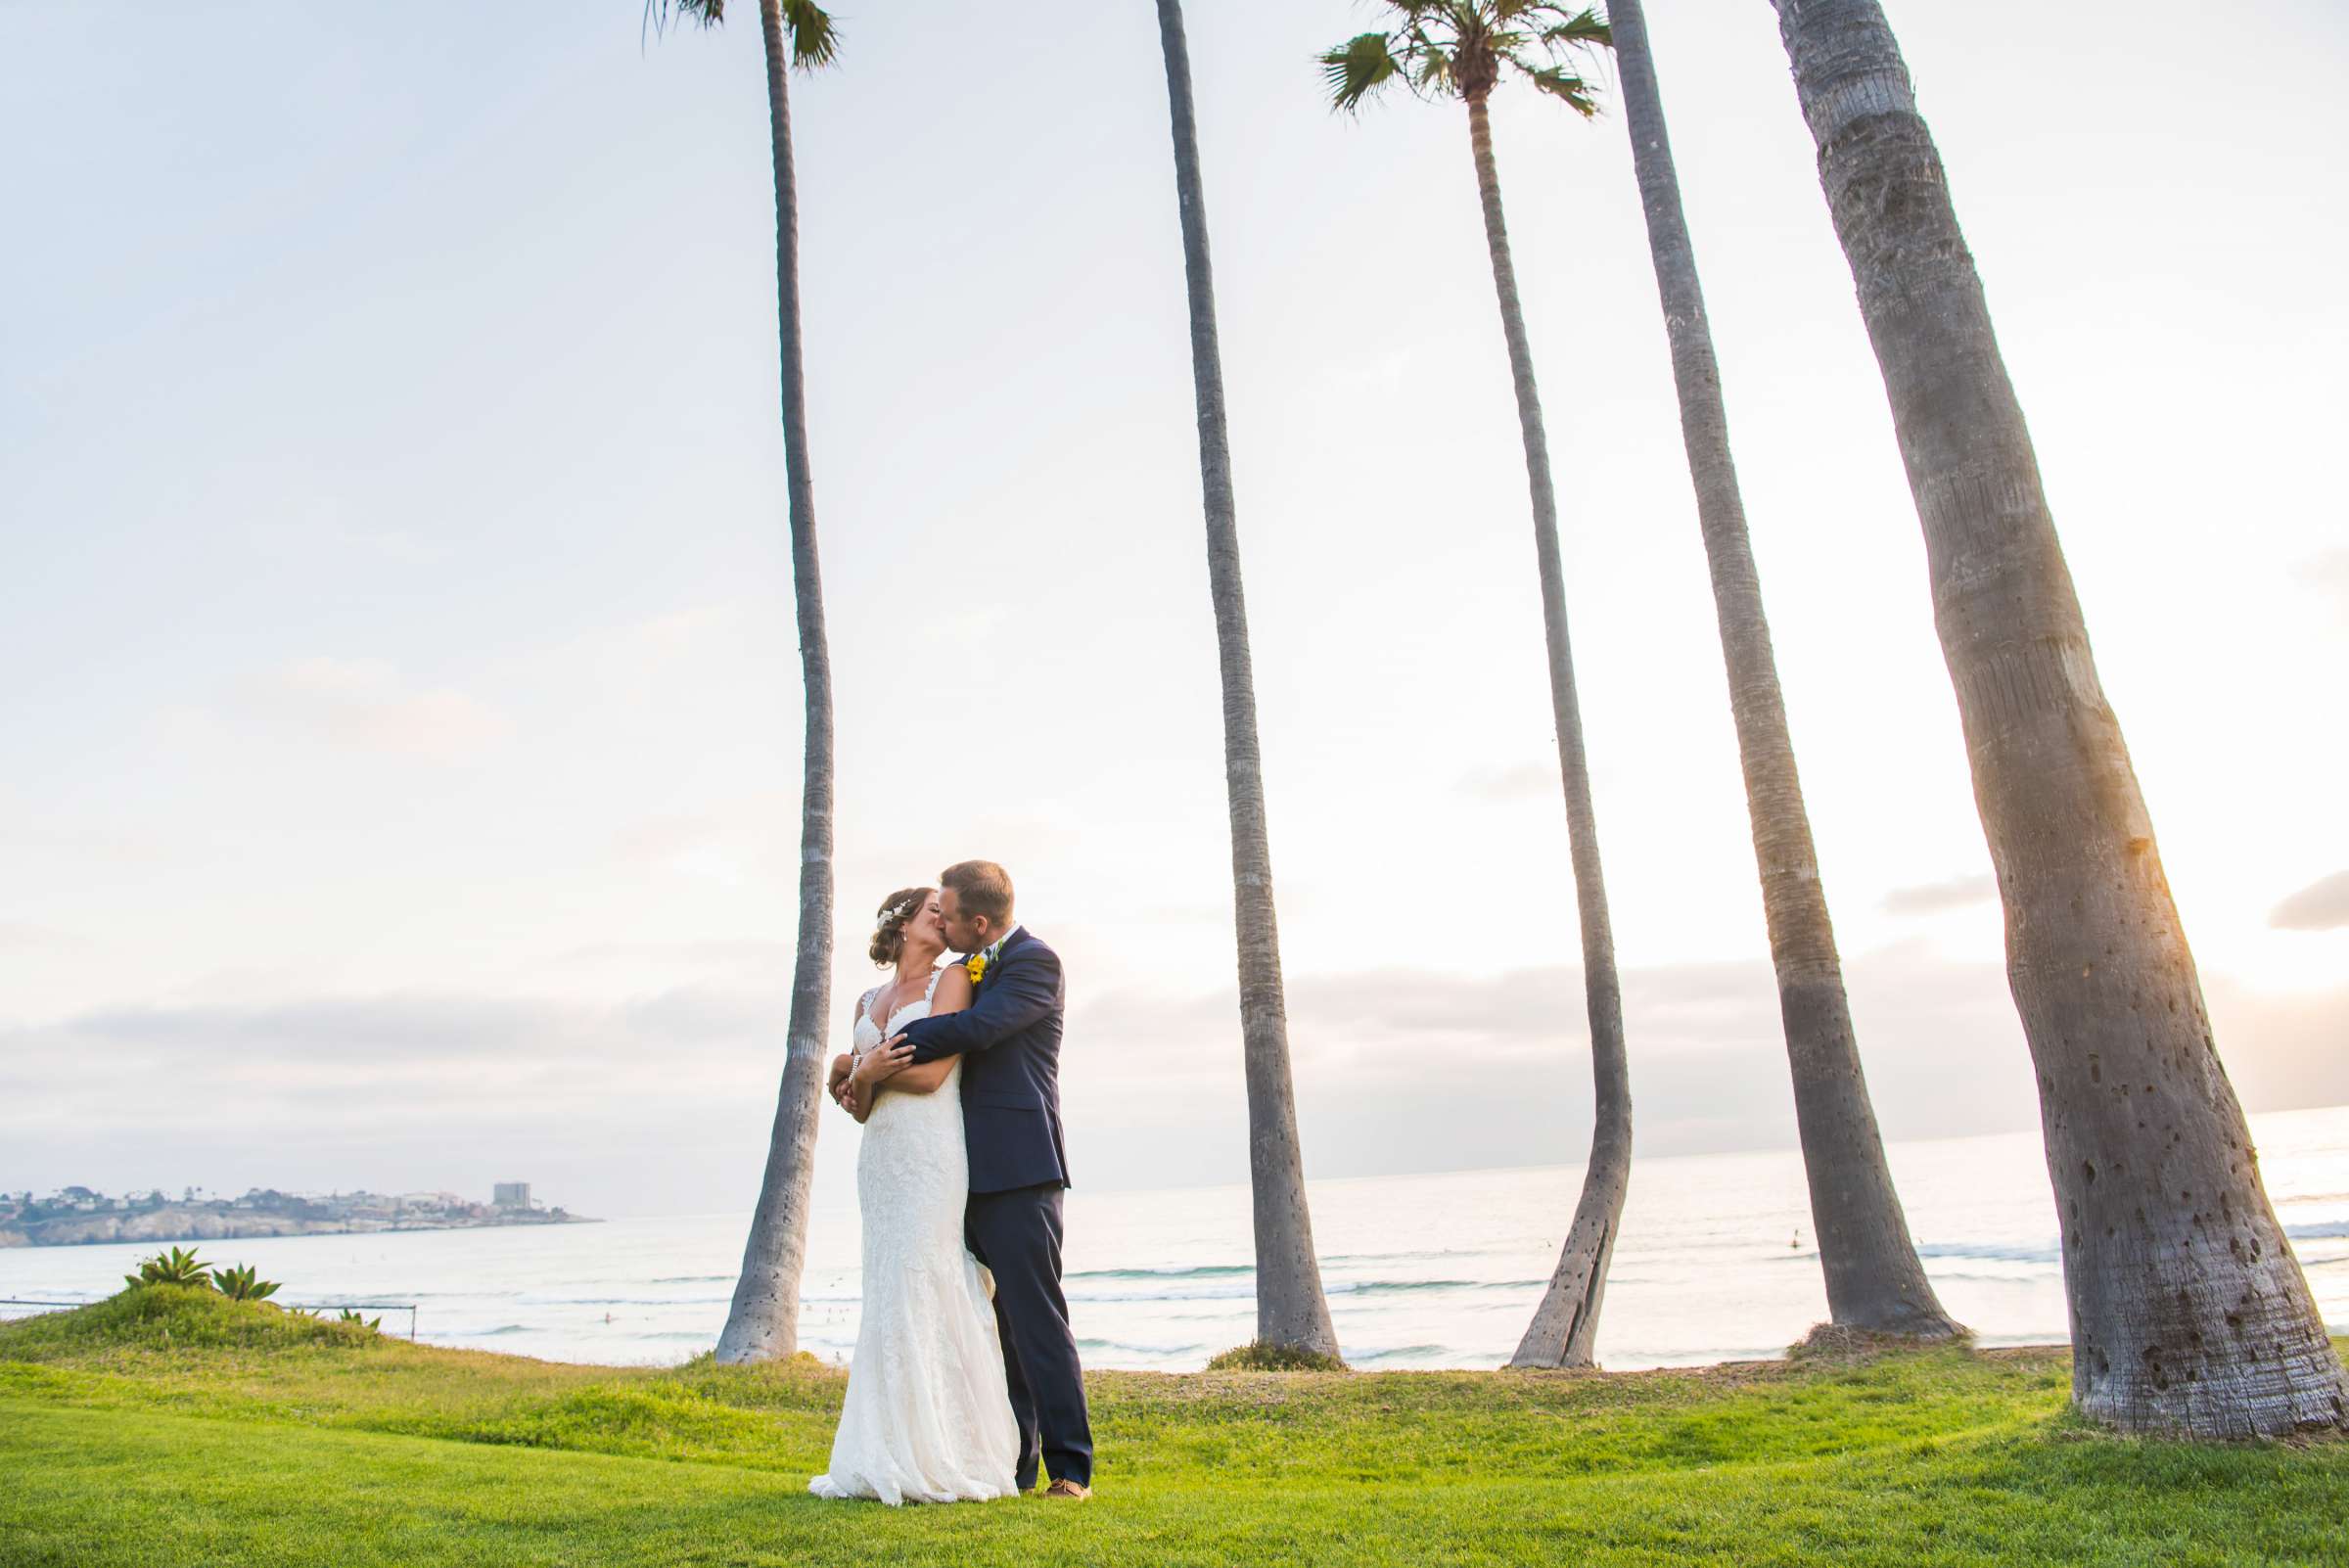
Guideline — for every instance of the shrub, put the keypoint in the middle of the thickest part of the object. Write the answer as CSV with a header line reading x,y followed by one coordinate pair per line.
x,y
1258,1356
241,1283
173,1268
170,1317
1835,1344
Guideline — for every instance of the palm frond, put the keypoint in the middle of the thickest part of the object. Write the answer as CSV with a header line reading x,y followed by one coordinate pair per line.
x,y
814,36
1565,86
1529,10
1356,68
659,14
1432,38
1426,62
1585,29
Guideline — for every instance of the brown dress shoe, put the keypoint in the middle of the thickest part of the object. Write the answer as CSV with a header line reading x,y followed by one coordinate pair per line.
x,y
1066,1488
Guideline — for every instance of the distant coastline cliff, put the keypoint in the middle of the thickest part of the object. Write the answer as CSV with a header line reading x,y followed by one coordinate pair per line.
x,y
79,1216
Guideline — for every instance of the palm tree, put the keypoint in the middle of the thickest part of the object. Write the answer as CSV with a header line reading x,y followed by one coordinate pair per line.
x,y
2190,1312
1456,49
1291,1313
763,1323
1875,1280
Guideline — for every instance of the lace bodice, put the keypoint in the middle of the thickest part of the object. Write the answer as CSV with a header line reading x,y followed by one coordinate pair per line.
x,y
870,1032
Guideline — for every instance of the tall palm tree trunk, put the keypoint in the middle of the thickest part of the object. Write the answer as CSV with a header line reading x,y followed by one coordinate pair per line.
x,y
1875,1280
1291,1310
763,1323
1566,1324
2190,1312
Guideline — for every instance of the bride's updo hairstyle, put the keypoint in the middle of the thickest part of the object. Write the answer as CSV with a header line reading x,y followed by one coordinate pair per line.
x,y
889,932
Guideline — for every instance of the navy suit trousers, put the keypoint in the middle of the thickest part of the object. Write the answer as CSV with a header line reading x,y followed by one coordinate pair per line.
x,y
1017,1235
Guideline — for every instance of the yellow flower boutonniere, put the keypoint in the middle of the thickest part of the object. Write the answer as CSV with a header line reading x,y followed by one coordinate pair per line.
x,y
976,967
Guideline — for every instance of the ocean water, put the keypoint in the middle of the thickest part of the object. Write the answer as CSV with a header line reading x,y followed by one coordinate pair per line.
x,y
1715,1263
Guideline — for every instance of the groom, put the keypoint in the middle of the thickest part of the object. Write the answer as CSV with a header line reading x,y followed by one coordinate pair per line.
x,y
1009,1043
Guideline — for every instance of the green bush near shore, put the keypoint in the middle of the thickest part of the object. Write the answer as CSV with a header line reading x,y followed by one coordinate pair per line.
x,y
1258,1356
162,1317
169,1426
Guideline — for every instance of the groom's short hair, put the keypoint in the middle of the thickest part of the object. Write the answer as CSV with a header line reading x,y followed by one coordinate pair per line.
x,y
981,888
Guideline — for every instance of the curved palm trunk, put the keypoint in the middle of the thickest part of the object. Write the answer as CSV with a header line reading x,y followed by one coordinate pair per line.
x,y
763,1323
1875,1280
1291,1310
2190,1312
1567,1321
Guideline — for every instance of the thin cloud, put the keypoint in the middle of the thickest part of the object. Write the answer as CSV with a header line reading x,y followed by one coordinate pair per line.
x,y
2329,574
402,1061
661,1104
742,953
83,845
1523,782
1404,1071
2281,1051
14,934
655,1105
1932,897
369,705
2322,905
731,843
325,533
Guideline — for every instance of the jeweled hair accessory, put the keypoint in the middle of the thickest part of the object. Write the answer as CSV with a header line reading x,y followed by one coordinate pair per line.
x,y
895,912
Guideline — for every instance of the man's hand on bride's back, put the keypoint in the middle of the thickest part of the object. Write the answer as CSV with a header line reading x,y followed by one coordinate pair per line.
x,y
884,1061
837,1085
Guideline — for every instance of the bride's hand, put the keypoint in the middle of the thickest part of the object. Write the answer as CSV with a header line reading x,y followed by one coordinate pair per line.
x,y
837,1085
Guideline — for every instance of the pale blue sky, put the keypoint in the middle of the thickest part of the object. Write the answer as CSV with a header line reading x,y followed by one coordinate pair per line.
x,y
401,784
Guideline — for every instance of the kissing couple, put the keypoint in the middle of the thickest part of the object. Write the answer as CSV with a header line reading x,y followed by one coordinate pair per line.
x,y
955,1076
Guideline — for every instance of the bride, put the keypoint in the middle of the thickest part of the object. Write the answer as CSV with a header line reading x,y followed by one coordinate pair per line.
x,y
928,1418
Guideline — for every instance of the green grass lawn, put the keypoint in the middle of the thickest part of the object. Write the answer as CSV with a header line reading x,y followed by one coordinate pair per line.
x,y
169,1427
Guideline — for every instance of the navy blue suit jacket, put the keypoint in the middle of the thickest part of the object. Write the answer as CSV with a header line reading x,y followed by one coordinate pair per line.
x,y
1009,1043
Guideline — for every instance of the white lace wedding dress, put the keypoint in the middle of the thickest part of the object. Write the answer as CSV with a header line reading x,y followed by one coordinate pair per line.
x,y
927,1419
